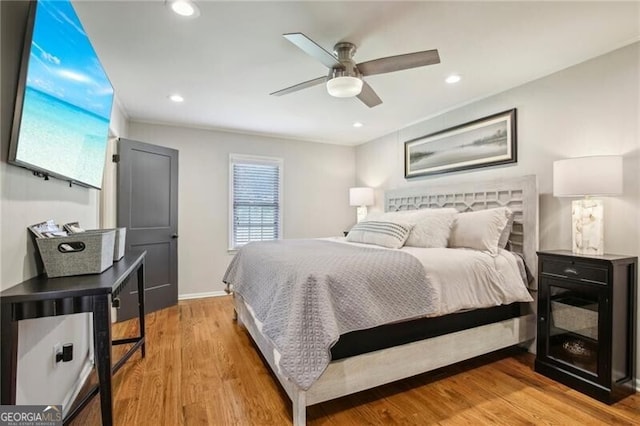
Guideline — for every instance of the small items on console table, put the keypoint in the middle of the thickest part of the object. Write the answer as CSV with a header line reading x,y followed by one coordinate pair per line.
x,y
587,322
41,297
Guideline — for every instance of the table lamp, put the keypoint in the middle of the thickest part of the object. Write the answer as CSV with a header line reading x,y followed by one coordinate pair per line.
x,y
361,197
586,177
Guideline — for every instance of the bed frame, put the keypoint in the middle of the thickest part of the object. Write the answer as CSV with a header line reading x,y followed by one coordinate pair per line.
x,y
357,373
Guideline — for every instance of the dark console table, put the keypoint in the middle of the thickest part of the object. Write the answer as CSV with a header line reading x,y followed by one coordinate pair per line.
x,y
44,297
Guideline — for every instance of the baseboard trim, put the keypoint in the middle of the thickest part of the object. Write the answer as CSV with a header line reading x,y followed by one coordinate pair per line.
x,y
73,393
188,296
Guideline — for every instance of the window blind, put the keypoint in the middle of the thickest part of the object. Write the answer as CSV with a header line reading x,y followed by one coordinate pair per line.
x,y
256,202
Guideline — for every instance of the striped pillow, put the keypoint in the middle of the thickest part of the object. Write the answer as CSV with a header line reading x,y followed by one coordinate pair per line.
x,y
385,234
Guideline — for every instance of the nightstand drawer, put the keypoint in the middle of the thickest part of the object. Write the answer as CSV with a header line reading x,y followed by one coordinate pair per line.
x,y
573,270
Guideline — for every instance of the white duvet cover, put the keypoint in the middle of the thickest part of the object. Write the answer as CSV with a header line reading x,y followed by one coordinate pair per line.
x,y
468,279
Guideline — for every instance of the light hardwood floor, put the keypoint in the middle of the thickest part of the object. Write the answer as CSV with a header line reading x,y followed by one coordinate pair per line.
x,y
201,368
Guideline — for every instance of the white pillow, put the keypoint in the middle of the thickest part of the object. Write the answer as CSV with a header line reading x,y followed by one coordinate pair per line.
x,y
431,229
504,237
385,234
480,230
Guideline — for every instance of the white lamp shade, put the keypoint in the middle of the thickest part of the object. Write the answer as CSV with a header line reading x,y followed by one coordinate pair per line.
x,y
598,175
361,196
344,87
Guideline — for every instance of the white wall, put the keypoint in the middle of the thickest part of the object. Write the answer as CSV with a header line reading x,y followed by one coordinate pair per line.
x,y
25,200
315,193
119,127
588,109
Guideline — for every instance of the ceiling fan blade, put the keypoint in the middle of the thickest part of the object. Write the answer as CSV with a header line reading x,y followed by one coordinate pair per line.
x,y
300,86
312,48
399,62
368,96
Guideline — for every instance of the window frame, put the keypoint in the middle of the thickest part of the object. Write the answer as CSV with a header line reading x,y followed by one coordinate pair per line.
x,y
261,160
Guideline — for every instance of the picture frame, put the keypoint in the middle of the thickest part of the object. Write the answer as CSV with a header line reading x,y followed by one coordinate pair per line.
x,y
485,142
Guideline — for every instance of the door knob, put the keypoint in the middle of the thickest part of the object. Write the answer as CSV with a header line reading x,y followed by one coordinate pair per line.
x,y
174,236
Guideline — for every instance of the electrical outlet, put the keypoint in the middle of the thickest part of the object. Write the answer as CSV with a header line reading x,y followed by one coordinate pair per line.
x,y
57,348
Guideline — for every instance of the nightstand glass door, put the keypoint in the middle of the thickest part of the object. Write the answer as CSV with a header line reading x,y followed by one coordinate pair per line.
x,y
573,326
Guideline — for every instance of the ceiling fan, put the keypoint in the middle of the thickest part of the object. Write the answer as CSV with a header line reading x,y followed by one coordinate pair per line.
x,y
345,76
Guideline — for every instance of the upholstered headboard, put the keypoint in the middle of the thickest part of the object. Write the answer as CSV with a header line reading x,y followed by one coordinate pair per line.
x,y
518,194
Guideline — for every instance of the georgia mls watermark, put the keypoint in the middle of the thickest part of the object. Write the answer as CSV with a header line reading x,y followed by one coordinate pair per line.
x,y
30,415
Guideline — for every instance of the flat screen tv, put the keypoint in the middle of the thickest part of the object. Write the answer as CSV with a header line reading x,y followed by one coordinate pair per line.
x,y
64,99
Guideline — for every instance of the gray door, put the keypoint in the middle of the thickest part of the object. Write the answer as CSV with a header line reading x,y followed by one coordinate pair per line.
x,y
148,208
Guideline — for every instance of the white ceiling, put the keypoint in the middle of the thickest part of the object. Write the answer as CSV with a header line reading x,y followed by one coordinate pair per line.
x,y
227,61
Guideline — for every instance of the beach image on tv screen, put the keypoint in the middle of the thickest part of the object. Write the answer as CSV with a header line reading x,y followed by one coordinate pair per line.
x,y
67,100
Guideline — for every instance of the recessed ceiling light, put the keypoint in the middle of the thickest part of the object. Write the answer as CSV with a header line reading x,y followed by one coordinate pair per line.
x,y
357,124
176,98
184,8
454,78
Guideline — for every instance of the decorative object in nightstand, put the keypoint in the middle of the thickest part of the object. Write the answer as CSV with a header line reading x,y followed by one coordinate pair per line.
x,y
584,177
361,197
587,322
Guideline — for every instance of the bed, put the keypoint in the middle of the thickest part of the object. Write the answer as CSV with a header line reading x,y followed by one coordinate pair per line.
x,y
449,339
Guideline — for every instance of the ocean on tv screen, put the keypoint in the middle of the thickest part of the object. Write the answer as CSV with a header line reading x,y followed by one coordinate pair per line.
x,y
48,141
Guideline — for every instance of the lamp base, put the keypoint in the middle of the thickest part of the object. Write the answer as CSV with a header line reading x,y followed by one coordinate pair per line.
x,y
361,213
588,226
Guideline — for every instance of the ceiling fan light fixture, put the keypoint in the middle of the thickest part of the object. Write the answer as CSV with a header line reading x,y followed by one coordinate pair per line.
x,y
344,87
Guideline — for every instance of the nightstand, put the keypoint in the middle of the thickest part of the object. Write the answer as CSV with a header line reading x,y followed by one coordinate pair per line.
x,y
587,322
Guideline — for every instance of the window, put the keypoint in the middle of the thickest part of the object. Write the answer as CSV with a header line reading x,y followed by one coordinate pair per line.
x,y
255,197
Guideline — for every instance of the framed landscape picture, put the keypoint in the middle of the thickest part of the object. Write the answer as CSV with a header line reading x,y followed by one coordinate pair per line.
x,y
485,142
